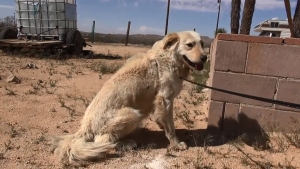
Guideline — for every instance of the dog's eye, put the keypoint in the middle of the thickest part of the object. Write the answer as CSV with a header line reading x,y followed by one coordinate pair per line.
x,y
190,45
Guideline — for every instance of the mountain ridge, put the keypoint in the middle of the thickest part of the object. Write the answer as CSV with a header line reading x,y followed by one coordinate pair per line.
x,y
146,39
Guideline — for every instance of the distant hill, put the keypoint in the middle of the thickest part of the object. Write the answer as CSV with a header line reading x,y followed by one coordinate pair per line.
x,y
141,39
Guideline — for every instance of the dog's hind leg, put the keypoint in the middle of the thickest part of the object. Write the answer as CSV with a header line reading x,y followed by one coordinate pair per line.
x,y
126,121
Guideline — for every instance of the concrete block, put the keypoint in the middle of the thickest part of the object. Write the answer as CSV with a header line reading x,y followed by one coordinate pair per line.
x,y
273,60
291,41
288,91
270,120
215,115
243,83
230,123
249,38
230,56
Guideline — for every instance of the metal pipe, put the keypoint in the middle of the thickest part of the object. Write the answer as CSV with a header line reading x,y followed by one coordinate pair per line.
x,y
48,18
127,33
56,12
41,17
19,15
217,26
28,19
65,18
76,14
167,18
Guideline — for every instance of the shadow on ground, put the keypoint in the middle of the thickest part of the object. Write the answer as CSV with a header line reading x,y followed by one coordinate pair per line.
x,y
193,138
246,130
57,54
87,54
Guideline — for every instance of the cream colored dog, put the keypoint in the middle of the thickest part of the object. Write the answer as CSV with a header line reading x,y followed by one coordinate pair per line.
x,y
145,85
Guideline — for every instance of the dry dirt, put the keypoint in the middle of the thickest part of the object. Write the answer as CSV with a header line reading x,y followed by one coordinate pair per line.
x,y
51,100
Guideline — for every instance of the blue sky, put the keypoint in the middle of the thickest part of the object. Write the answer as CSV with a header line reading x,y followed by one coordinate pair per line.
x,y
148,16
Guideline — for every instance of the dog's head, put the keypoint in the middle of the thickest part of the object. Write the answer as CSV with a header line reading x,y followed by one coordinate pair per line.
x,y
188,46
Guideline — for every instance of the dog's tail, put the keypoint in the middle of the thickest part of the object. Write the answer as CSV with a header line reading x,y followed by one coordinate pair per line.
x,y
71,149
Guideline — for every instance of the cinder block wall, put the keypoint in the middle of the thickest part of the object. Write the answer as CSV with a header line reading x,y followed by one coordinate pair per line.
x,y
259,66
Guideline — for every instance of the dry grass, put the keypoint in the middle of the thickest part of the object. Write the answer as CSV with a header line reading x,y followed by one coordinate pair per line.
x,y
104,68
52,99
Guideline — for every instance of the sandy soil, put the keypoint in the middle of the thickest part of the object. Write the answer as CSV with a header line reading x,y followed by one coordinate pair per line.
x,y
51,100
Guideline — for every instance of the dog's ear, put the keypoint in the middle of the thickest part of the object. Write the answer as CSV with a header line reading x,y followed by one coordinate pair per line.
x,y
170,40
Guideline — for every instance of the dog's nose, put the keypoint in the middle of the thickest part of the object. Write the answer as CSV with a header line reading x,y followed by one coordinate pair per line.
x,y
203,58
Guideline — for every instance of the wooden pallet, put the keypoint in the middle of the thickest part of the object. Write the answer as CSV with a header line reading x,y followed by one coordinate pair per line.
x,y
30,43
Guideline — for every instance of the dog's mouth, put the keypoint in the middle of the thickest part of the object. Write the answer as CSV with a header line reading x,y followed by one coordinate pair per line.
x,y
197,66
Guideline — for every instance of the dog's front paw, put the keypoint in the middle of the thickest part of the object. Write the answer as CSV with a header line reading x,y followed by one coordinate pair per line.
x,y
179,146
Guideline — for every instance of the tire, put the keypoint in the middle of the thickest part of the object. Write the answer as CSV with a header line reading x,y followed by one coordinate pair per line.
x,y
74,38
8,33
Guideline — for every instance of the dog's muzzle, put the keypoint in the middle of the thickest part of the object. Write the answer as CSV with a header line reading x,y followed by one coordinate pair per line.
x,y
197,66
203,58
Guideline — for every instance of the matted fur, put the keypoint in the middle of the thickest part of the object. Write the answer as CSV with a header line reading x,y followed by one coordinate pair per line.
x,y
146,84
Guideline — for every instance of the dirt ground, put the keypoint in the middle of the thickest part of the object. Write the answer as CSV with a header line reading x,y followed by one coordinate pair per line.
x,y
51,100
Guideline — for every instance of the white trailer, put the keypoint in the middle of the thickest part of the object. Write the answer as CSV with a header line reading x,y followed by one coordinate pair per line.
x,y
45,24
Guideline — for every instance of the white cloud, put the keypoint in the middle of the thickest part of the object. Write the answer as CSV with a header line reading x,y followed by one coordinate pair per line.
x,y
136,4
120,2
212,5
123,3
150,30
7,6
6,10
272,4
195,5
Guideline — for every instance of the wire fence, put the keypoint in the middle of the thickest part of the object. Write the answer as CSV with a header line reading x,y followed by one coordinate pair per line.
x,y
126,38
121,38
135,39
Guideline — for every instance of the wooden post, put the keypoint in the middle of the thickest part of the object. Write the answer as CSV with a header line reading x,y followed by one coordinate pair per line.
x,y
93,32
289,16
127,34
167,19
15,19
